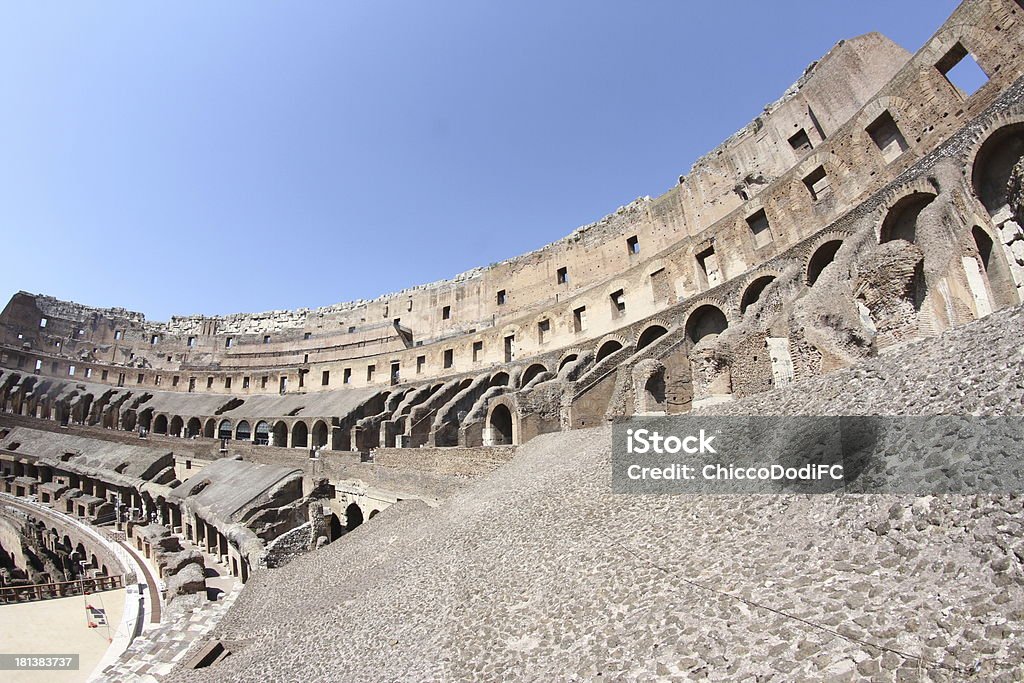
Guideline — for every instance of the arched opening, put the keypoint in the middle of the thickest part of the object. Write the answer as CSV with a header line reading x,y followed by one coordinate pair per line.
x,y
754,291
319,434
705,321
568,359
334,528
901,221
300,435
193,428
607,349
994,268
500,379
210,428
176,426
353,517
532,372
280,434
262,437
160,424
146,419
501,426
822,256
373,513
225,429
243,432
993,172
654,389
649,335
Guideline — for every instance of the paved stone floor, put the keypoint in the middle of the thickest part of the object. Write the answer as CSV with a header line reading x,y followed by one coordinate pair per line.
x,y
59,627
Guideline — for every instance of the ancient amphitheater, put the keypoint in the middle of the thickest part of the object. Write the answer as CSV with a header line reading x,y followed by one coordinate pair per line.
x,y
418,487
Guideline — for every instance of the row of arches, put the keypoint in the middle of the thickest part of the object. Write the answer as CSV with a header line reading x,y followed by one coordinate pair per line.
x,y
302,435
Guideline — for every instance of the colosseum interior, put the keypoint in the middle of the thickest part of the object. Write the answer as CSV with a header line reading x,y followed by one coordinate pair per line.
x,y
856,249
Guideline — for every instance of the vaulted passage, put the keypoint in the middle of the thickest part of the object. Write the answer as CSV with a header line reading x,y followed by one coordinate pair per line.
x,y
262,437
319,434
607,349
353,516
300,435
243,432
705,320
501,426
532,372
280,434
822,256
754,291
997,167
176,426
648,336
194,428
901,221
224,429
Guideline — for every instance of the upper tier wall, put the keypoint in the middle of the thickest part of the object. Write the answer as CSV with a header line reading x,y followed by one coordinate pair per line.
x,y
808,160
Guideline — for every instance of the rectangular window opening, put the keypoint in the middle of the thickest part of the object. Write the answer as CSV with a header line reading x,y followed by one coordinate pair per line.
x,y
449,358
544,331
708,270
887,137
502,297
618,299
446,313
579,319
962,71
633,245
800,142
421,361
325,378
818,184
562,277
478,351
346,376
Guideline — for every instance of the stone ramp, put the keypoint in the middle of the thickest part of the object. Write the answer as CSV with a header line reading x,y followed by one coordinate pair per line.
x,y
538,572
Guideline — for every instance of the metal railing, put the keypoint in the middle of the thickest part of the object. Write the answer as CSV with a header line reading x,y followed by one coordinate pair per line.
x,y
62,589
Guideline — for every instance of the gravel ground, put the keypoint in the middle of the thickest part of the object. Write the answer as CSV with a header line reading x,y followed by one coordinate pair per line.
x,y
539,572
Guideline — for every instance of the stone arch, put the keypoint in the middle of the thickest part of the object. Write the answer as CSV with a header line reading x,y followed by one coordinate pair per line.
x,y
280,434
567,359
373,513
993,265
992,170
320,434
335,528
900,222
500,379
145,420
300,435
649,386
752,293
243,432
353,516
261,435
502,429
607,348
193,428
705,320
160,424
210,428
649,335
530,373
823,255
225,429
176,426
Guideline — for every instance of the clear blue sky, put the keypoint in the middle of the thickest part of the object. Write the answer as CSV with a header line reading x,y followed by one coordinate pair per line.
x,y
216,157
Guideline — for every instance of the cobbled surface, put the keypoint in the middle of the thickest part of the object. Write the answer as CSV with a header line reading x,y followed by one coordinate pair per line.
x,y
539,572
